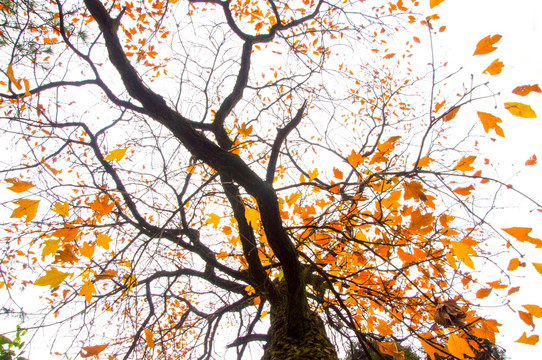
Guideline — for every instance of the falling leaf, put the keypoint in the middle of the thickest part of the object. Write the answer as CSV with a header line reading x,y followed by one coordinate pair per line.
x,y
482,293
87,290
12,78
490,122
61,209
531,161
465,163
459,347
526,89
27,208
433,3
494,68
485,46
534,310
149,338
464,190
103,241
519,109
52,278
538,267
50,248
115,155
462,252
522,234
19,186
450,114
531,340
93,350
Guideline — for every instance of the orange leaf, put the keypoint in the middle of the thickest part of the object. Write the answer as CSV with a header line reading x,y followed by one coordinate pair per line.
x,y
512,290
464,190
337,173
485,46
11,77
27,208
87,290
244,130
494,68
106,275
538,267
433,3
101,205
389,56
522,234
354,159
313,174
61,209
19,186
67,254
482,293
450,114
513,264
432,348
531,340
52,278
520,110
93,350
531,161
462,252
103,241
87,250
526,89
115,155
149,338
465,163
414,190
534,310
390,348
526,317
490,122
459,346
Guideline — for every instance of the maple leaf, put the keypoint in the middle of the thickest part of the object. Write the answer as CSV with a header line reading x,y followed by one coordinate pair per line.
x,y
490,122
465,163
462,252
526,89
458,347
244,130
87,250
522,234
431,347
103,241
62,209
52,278
531,340
433,3
115,155
313,174
354,159
250,290
520,110
531,161
414,190
19,186
67,254
149,338
494,68
93,350
485,46
87,290
27,208
50,248
213,219
101,205
534,310
424,161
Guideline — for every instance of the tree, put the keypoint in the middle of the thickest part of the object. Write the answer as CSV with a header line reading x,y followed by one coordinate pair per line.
x,y
198,175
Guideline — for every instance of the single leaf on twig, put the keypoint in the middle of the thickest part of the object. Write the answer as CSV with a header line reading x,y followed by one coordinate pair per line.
x,y
519,109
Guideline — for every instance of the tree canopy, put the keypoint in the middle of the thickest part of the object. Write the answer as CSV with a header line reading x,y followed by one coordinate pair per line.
x,y
199,179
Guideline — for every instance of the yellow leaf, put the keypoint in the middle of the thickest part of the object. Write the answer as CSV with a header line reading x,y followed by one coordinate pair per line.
x,y
93,350
490,122
252,216
531,340
292,198
465,163
50,248
87,290
103,240
519,109
451,260
458,347
19,186
494,68
522,234
115,155
87,250
485,46
433,3
538,267
52,278
130,281
27,208
313,174
244,130
61,209
250,290
534,310
213,219
11,77
462,252
148,338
